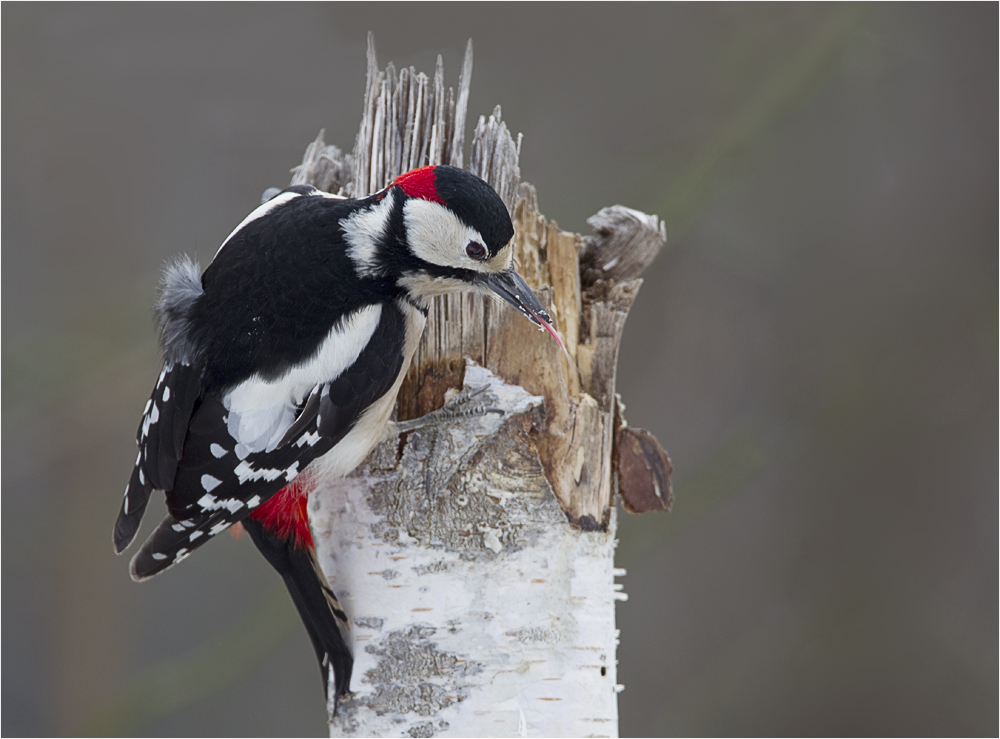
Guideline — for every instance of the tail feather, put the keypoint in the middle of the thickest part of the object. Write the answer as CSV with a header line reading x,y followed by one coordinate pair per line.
x,y
330,652
318,607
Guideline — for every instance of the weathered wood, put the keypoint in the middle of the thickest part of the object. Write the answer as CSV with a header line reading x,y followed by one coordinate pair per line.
x,y
323,166
475,556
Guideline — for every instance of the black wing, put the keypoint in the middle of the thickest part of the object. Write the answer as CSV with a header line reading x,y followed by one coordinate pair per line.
x,y
216,485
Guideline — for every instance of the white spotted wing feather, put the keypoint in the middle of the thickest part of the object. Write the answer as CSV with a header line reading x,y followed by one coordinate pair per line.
x,y
243,446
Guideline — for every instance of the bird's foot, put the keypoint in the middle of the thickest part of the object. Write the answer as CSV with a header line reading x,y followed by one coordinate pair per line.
x,y
462,406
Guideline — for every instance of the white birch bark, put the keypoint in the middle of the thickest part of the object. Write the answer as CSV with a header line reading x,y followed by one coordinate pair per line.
x,y
474,556
477,608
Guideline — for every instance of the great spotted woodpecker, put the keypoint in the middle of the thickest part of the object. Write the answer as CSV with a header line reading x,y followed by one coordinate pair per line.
x,y
282,362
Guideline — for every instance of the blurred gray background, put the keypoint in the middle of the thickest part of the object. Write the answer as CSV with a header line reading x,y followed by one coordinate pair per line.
x,y
817,347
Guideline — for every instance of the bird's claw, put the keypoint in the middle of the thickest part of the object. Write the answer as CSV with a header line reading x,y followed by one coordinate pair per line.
x,y
457,408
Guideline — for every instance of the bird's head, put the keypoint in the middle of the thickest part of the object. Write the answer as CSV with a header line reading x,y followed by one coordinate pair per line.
x,y
453,234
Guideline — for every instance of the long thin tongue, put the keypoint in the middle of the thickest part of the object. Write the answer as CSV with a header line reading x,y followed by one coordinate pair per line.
x,y
555,335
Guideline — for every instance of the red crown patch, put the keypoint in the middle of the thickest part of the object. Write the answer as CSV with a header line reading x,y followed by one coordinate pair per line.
x,y
419,183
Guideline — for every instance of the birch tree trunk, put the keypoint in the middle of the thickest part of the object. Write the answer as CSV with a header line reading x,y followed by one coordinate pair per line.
x,y
474,555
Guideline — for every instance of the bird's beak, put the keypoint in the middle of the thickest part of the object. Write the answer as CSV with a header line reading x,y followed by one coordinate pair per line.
x,y
509,286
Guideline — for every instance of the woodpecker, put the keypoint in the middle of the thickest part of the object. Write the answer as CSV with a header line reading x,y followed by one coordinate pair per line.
x,y
282,361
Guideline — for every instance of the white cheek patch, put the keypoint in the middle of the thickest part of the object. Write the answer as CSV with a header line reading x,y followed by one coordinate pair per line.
x,y
437,235
363,231
503,260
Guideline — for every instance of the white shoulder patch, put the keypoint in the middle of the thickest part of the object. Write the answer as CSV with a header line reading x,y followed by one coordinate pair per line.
x,y
260,411
363,230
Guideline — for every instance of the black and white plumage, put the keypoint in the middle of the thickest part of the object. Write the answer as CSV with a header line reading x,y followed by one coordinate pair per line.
x,y
285,356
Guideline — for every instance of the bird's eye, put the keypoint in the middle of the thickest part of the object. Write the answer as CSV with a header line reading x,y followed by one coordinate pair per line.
x,y
476,250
